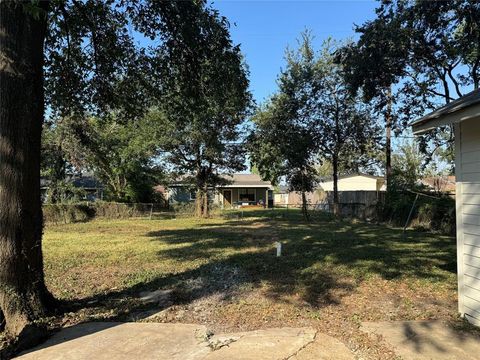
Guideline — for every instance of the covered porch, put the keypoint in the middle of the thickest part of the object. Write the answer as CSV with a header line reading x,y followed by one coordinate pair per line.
x,y
236,197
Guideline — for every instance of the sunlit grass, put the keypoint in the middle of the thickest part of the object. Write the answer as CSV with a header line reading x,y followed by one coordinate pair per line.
x,y
88,259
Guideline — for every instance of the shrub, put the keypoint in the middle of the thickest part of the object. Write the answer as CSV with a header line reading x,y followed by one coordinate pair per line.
x,y
434,214
184,209
67,213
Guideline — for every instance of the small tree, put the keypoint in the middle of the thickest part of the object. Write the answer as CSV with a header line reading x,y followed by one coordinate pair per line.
x,y
345,129
283,143
121,154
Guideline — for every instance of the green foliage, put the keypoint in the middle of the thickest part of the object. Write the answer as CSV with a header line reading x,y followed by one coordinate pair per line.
x,y
120,154
67,213
407,169
430,213
55,167
312,118
81,212
427,51
283,143
203,107
348,134
93,64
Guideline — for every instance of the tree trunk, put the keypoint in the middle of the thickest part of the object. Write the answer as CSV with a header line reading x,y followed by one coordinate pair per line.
x,y
23,294
201,203
336,205
388,139
305,207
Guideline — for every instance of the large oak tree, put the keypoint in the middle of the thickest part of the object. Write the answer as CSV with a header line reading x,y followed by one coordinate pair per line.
x,y
87,53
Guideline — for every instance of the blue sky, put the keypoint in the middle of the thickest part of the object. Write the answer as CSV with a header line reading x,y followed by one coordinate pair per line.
x,y
264,28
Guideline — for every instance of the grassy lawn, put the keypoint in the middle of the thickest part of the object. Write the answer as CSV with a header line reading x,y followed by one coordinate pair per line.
x,y
223,272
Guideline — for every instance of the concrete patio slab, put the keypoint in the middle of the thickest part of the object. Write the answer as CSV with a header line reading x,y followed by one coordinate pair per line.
x,y
324,348
111,340
186,342
263,344
426,340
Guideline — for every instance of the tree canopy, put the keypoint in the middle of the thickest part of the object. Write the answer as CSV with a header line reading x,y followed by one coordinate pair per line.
x,y
203,108
312,118
427,52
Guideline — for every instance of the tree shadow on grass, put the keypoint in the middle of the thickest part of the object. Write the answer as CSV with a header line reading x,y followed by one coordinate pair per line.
x,y
322,261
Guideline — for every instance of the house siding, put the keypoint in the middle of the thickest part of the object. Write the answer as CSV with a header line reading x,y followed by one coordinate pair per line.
x,y
179,195
354,183
467,167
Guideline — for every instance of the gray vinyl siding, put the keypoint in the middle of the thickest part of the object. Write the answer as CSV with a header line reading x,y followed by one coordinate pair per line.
x,y
467,169
179,195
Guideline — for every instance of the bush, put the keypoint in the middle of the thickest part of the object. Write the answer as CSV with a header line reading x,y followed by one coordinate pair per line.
x,y
433,214
119,210
184,209
67,213
70,213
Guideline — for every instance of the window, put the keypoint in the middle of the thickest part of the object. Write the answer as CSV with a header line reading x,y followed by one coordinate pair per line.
x,y
246,195
193,194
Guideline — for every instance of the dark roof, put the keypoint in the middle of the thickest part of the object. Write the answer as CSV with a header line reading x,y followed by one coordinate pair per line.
x,y
87,182
84,182
246,179
463,102
231,180
442,183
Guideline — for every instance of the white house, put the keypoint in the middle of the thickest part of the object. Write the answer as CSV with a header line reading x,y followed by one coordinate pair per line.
x,y
464,115
357,182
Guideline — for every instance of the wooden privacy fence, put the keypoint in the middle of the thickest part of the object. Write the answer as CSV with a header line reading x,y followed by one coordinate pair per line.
x,y
357,204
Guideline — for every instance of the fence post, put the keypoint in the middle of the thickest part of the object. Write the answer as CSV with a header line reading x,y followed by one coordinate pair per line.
x,y
151,211
410,215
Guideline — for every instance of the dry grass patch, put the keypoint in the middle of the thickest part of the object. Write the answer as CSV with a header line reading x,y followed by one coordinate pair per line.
x,y
223,272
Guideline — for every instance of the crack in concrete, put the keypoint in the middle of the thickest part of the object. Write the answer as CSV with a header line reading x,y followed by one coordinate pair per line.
x,y
220,343
302,347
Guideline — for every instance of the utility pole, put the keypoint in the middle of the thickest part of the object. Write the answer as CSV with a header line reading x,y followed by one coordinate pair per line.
x,y
388,138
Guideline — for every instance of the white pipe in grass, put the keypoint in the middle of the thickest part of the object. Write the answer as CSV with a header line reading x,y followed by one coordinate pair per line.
x,y
279,248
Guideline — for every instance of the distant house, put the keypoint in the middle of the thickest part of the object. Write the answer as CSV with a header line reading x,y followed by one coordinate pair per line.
x,y
356,182
439,184
464,115
347,186
91,187
240,190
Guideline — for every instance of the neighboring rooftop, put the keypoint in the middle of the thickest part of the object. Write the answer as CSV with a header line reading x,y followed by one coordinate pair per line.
x,y
330,178
235,180
84,182
460,106
247,180
440,183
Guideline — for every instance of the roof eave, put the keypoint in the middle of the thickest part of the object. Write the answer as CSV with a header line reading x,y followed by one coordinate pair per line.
x,y
464,108
427,123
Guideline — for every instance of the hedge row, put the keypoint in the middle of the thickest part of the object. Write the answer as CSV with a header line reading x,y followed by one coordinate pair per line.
x,y
70,213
